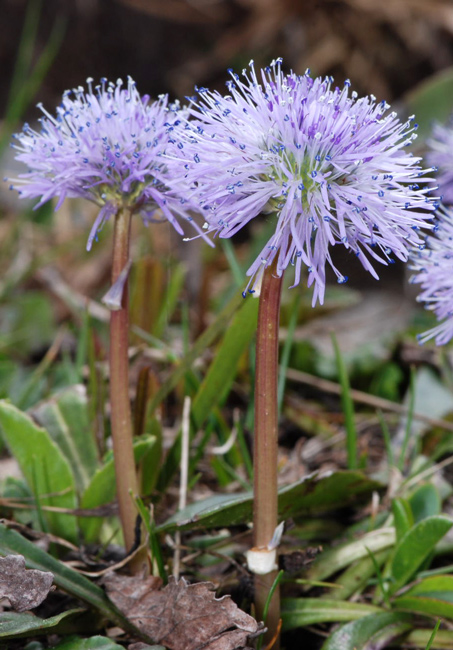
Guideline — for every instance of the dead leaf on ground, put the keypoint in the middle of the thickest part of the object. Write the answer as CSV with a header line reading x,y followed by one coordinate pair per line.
x,y
24,588
182,616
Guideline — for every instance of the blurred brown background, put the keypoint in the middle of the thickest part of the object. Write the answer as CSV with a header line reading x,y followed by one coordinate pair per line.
x,y
384,47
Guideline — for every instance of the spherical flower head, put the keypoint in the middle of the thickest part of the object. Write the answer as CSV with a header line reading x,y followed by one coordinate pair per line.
x,y
440,155
433,265
328,168
106,145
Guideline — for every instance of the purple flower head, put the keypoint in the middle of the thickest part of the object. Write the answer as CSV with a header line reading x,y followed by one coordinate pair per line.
x,y
440,155
327,167
434,272
106,145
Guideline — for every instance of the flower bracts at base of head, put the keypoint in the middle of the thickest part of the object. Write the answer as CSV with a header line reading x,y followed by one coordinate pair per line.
x,y
433,268
327,167
104,144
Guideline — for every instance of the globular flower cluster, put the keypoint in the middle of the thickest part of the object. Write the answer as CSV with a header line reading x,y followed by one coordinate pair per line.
x,y
325,167
434,272
440,155
106,145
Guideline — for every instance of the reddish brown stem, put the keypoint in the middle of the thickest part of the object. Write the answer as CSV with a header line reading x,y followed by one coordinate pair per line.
x,y
121,422
265,508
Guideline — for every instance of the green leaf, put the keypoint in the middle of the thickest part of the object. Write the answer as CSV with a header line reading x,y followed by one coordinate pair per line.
x,y
44,467
12,543
431,596
313,495
415,547
343,555
102,489
370,633
15,624
425,502
404,519
432,100
65,418
94,643
298,612
355,578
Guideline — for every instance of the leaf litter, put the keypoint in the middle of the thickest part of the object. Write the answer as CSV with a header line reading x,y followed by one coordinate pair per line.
x,y
182,616
24,588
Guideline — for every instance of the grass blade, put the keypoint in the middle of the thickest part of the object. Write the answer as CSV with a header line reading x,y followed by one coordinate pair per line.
x,y
348,408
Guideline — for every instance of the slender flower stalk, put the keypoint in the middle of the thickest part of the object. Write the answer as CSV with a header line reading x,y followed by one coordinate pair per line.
x,y
326,169
265,450
121,421
107,145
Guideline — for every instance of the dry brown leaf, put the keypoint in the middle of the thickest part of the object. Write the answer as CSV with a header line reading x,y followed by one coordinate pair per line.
x,y
182,616
24,588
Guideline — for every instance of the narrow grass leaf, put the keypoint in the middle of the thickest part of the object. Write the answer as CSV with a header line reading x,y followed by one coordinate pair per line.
x,y
284,356
170,300
387,439
381,582
433,635
409,420
236,270
24,57
155,546
244,450
223,369
27,82
218,379
299,612
204,341
271,593
348,408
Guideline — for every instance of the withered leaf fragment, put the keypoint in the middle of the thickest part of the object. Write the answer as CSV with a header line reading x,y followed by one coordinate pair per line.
x,y
24,588
182,616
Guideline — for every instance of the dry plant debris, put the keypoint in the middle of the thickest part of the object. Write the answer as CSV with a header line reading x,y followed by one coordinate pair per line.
x,y
24,588
182,616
